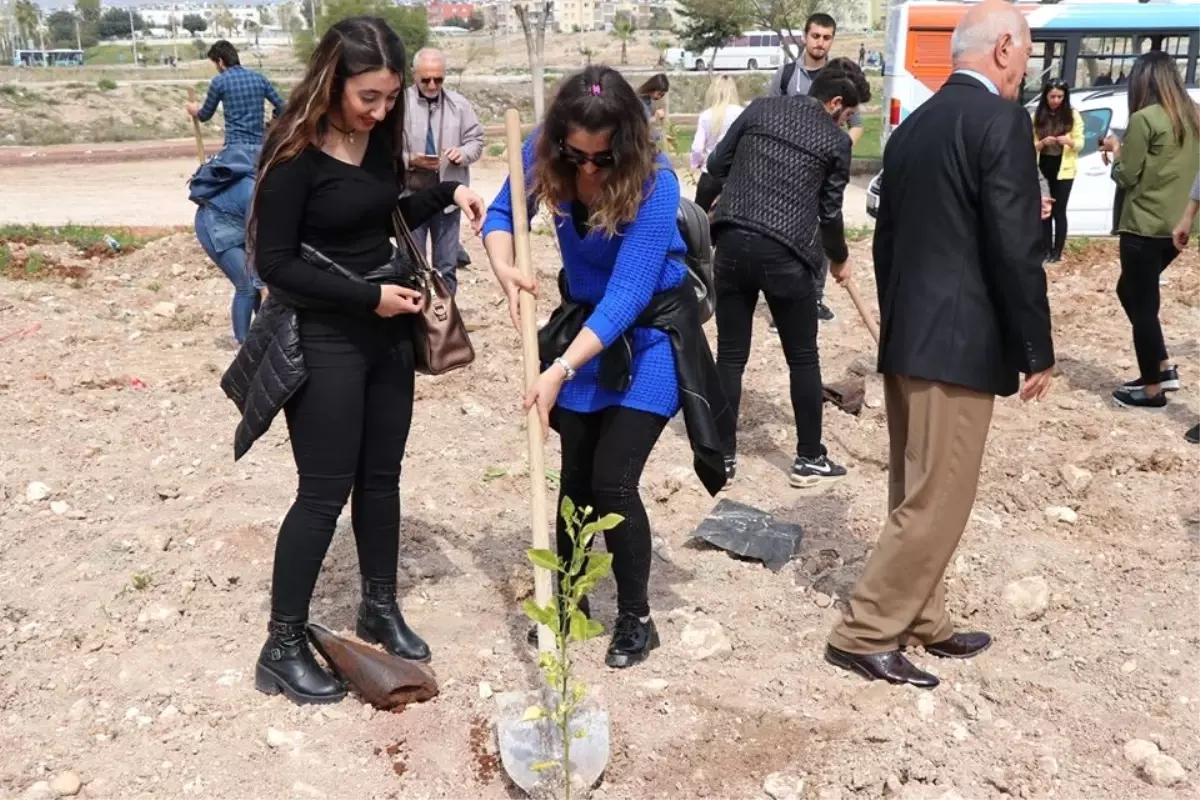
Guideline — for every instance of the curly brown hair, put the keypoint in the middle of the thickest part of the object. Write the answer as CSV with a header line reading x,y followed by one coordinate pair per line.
x,y
596,99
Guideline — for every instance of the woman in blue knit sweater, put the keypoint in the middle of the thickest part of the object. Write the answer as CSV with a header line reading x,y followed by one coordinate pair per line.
x,y
614,201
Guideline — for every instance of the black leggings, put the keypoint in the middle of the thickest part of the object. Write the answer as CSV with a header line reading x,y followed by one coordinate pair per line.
x,y
1143,260
746,266
707,190
603,455
348,424
1054,229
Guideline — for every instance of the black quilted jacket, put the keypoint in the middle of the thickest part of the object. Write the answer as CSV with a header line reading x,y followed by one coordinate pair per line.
x,y
268,370
785,164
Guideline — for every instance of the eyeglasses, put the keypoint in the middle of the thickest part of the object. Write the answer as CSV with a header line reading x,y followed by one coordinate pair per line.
x,y
603,160
432,81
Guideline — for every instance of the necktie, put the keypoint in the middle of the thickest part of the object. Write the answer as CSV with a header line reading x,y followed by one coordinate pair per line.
x,y
430,144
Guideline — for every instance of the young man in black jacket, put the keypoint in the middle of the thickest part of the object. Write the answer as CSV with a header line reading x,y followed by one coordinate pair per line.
x,y
785,163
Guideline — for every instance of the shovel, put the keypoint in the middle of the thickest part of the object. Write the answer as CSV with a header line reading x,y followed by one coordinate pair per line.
x,y
196,128
388,682
525,744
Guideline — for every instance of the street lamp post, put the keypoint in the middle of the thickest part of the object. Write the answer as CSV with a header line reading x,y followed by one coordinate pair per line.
x,y
133,37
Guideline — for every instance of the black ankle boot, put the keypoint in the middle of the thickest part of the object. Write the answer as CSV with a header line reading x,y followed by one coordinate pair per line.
x,y
531,638
632,641
287,665
380,622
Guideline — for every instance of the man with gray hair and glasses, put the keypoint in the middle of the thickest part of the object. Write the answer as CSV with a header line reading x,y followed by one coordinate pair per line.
x,y
962,298
443,138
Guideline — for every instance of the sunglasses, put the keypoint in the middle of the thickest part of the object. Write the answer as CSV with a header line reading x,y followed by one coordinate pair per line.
x,y
432,81
603,160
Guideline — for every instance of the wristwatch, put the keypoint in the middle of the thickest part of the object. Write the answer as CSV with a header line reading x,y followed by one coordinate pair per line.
x,y
567,368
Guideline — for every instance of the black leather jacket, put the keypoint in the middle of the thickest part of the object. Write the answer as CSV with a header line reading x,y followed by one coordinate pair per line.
x,y
706,413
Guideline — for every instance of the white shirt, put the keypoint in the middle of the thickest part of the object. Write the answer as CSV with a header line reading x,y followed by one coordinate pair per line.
x,y
705,141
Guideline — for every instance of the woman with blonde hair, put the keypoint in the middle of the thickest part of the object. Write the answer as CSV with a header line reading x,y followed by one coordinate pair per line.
x,y
1155,166
722,108
329,177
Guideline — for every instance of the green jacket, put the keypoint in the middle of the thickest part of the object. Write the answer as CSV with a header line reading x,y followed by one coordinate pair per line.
x,y
1156,172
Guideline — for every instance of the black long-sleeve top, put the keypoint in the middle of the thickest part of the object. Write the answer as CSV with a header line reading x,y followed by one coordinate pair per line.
x,y
340,209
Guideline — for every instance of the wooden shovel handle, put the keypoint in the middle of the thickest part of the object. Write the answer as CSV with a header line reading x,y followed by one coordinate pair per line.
x,y
867,317
538,500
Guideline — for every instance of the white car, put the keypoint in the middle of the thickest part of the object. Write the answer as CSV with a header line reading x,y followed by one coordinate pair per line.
x,y
1090,209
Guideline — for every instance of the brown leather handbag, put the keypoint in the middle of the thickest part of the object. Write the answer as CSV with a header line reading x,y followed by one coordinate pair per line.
x,y
440,338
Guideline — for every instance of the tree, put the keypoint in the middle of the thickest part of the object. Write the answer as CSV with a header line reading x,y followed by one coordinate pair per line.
x,y
533,25
265,17
28,17
88,10
289,23
661,45
61,28
114,24
624,31
785,18
475,23
410,22
709,24
194,23
660,19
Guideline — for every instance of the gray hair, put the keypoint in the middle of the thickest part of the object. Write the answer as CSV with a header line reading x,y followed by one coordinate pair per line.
x,y
974,35
431,53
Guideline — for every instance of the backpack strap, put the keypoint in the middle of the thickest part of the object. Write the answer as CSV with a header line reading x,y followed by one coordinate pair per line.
x,y
789,69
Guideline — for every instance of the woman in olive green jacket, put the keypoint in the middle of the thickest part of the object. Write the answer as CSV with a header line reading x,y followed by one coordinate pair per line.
x,y
1058,137
1155,166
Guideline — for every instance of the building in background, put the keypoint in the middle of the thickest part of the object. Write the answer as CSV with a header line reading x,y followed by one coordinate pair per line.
x,y
442,12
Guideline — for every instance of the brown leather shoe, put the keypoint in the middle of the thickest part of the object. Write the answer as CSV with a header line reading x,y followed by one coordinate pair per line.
x,y
891,666
961,645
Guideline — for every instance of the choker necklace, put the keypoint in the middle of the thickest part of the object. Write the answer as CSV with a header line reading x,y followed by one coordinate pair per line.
x,y
348,134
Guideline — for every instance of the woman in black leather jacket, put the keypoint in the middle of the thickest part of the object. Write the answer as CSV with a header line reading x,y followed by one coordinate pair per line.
x,y
330,176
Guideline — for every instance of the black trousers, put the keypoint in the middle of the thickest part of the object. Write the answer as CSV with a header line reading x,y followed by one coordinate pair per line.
x,y
746,266
603,455
349,425
1143,260
1054,229
707,189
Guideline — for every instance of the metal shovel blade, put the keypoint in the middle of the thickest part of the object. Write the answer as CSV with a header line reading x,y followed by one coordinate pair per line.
x,y
525,744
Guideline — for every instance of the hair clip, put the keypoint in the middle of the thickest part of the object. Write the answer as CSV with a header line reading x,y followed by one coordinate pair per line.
x,y
596,89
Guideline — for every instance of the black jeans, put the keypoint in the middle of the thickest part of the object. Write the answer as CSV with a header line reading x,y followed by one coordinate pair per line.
x,y
349,425
707,190
1054,229
603,455
748,264
1143,260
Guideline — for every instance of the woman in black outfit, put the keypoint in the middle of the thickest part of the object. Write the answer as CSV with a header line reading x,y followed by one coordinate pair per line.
x,y
1058,138
330,176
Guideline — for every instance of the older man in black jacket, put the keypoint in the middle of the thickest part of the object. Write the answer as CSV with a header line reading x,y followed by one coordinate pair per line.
x,y
962,296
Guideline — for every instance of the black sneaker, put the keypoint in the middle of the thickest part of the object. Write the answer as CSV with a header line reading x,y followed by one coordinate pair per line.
x,y
809,472
632,641
730,471
824,313
1168,380
1193,434
1137,398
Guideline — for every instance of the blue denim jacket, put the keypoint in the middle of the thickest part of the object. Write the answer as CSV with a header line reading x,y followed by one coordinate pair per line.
x,y
223,187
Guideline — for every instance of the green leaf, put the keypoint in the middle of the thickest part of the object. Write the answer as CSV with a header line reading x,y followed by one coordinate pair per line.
x,y
542,766
578,628
542,616
566,510
594,629
492,473
533,714
545,559
605,523
553,478
579,734
599,565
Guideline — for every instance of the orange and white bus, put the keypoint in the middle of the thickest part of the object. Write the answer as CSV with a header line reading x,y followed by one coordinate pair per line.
x,y
1084,43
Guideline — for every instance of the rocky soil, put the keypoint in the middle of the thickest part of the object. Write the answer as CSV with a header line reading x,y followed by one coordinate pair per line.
x,y
135,564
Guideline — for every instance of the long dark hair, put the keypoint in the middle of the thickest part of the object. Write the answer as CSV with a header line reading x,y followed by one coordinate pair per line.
x,y
1155,79
351,47
655,83
596,99
1050,122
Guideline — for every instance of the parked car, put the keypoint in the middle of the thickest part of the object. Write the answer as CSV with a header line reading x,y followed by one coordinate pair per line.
x,y
1090,209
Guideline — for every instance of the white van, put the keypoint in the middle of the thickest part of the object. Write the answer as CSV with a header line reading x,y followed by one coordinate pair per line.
x,y
751,50
1090,209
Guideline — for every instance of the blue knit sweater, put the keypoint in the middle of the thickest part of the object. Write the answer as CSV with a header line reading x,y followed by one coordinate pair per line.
x,y
618,275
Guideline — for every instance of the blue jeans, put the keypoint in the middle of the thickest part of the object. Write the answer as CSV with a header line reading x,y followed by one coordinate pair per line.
x,y
232,262
444,228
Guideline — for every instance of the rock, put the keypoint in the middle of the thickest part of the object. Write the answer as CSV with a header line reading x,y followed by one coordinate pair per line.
x,y
39,791
302,789
157,613
167,492
473,409
1138,751
781,786
655,685
1162,770
926,705
704,638
80,710
59,507
485,690
155,540
1076,479
1129,667
68,784
1028,598
165,309
35,493
169,714
1061,514
277,738
822,600
177,270
1048,765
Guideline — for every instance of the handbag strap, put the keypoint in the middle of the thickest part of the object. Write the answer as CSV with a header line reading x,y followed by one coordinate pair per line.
x,y
404,234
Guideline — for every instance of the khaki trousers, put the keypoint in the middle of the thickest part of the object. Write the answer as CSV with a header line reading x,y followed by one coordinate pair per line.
x,y
936,434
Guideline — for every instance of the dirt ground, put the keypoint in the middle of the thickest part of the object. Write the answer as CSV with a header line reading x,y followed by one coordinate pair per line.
x,y
133,596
